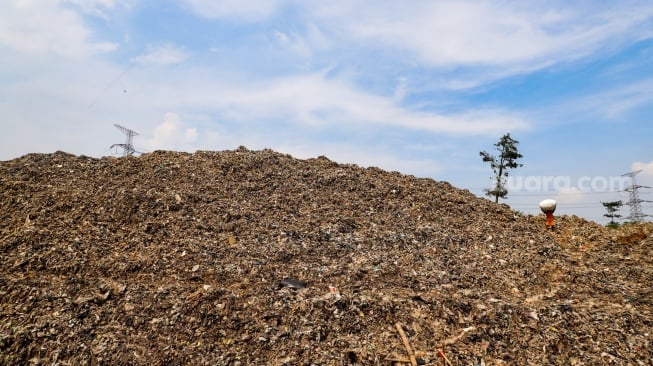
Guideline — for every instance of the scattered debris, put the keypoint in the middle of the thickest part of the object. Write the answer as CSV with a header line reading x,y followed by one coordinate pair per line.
x,y
292,283
176,258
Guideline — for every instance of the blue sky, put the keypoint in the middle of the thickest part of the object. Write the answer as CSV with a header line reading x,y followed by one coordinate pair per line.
x,y
418,87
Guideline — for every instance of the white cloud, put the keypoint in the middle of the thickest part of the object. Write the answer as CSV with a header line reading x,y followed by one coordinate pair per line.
x,y
458,33
305,43
483,40
624,99
313,99
47,27
97,8
190,135
293,42
171,134
488,33
250,10
317,100
646,168
164,54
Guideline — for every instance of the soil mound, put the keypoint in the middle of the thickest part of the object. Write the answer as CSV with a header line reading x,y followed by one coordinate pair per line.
x,y
258,258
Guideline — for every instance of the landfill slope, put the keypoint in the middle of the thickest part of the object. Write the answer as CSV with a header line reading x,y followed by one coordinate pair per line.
x,y
257,258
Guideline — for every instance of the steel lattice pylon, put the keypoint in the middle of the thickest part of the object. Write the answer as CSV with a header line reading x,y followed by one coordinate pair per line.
x,y
128,146
635,203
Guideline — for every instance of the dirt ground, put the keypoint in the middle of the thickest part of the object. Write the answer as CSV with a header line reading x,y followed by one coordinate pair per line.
x,y
257,258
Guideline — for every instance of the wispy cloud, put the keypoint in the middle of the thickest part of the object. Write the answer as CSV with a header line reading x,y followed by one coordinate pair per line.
x,y
486,41
472,43
98,8
317,100
613,103
249,11
646,168
164,54
47,27
461,32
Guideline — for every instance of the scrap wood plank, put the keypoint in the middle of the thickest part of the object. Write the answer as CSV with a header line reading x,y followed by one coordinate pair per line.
x,y
411,355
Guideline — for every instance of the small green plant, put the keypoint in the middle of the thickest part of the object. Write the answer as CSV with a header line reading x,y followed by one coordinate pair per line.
x,y
612,208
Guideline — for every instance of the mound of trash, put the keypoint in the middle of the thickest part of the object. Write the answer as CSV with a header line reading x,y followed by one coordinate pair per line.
x,y
257,258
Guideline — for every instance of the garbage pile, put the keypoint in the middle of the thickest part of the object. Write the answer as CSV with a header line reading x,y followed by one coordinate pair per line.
x,y
257,258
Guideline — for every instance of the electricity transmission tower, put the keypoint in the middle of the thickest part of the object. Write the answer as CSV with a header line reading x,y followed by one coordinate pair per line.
x,y
635,203
128,146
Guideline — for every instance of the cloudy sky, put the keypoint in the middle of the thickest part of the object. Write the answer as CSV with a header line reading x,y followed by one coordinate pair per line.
x,y
419,87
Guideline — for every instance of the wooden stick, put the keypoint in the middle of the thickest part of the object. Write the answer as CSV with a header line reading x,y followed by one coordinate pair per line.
x,y
402,360
411,355
444,356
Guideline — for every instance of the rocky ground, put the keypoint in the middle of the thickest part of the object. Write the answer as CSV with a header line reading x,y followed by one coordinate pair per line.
x,y
257,258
